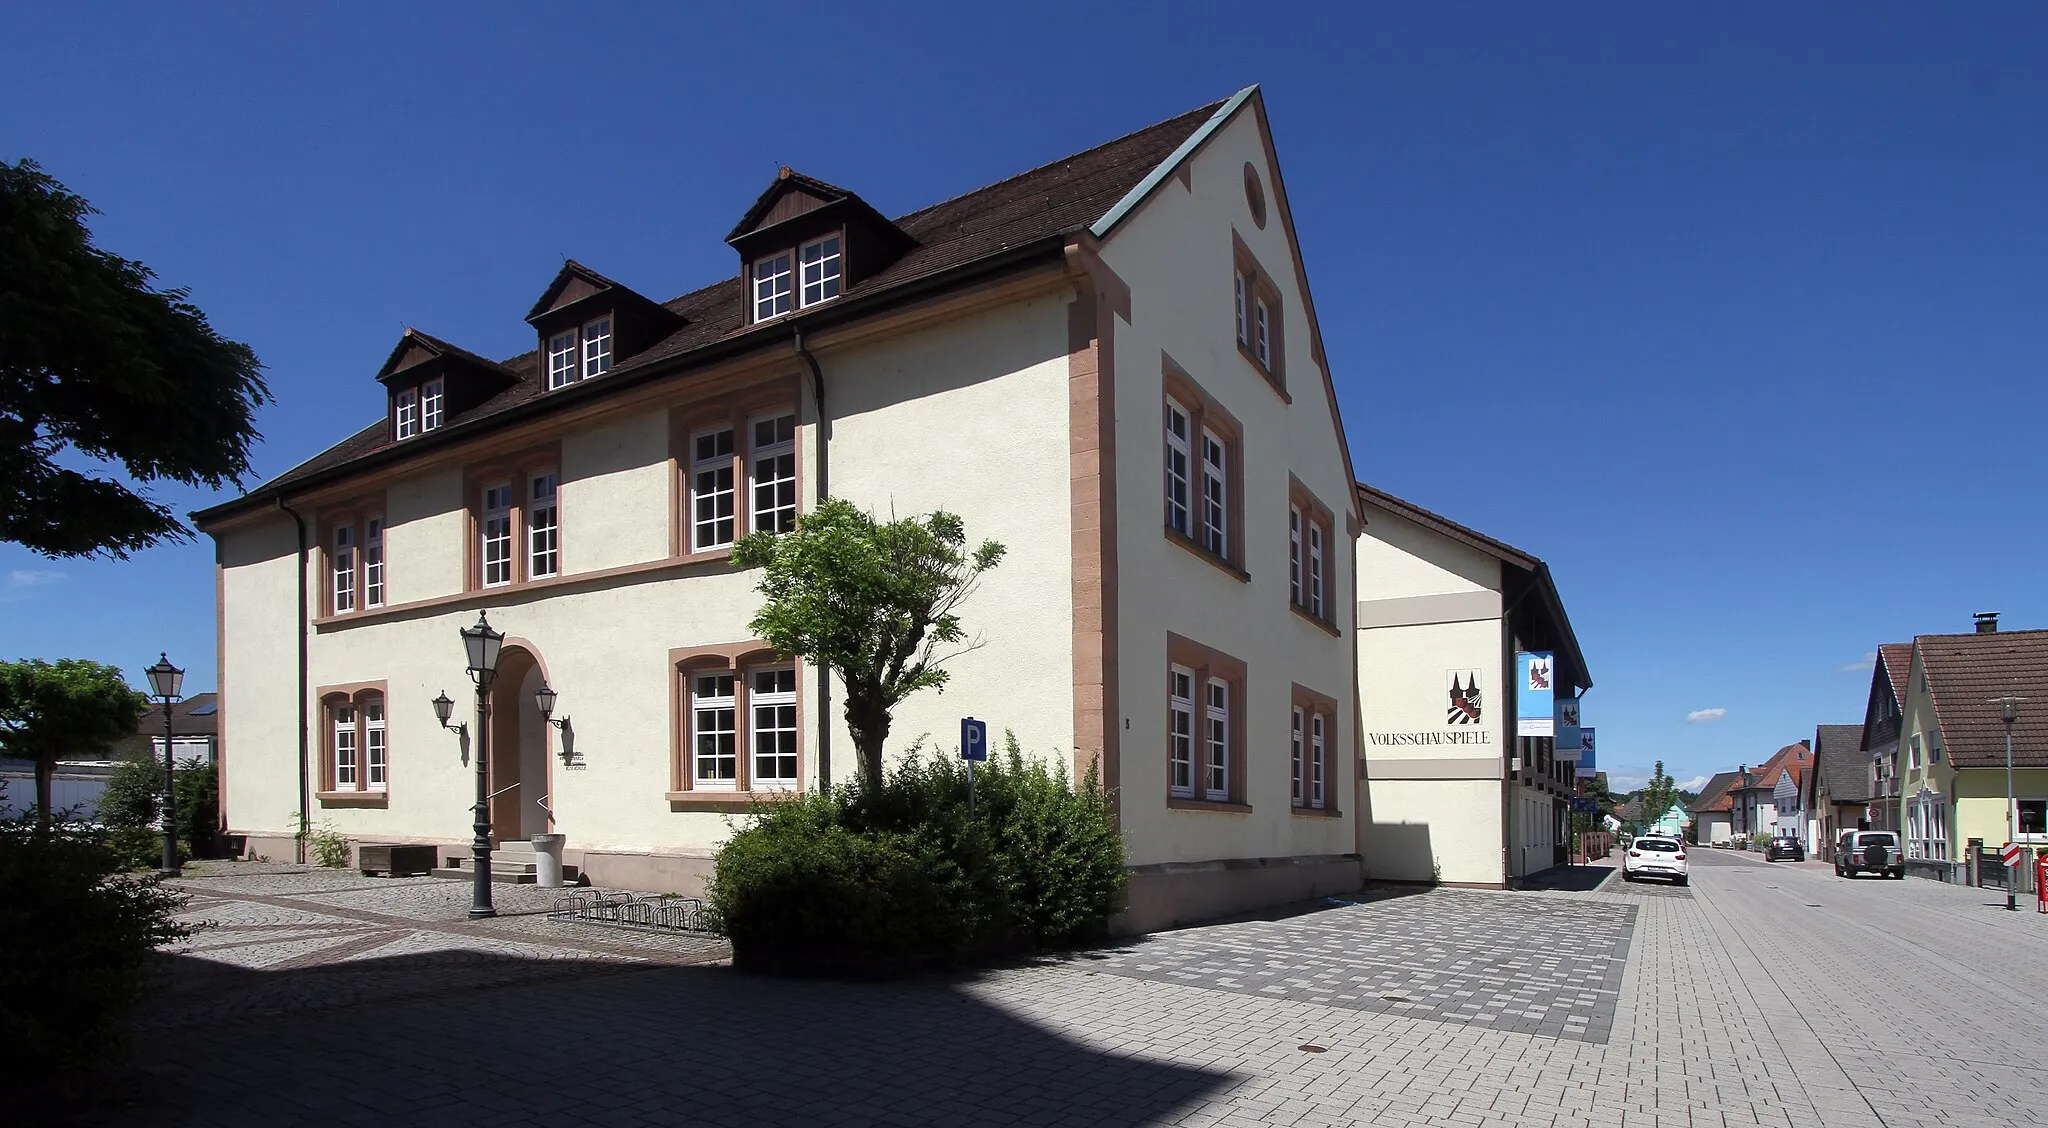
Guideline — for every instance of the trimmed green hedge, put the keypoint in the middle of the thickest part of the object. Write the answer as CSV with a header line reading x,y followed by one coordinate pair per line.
x,y
901,877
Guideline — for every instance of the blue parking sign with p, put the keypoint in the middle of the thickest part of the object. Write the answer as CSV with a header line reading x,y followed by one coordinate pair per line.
x,y
973,740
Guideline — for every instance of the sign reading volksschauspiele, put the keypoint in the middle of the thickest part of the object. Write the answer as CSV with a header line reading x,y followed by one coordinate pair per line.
x,y
1534,712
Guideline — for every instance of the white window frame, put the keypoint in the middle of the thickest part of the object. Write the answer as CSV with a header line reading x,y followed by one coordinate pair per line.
x,y
830,267
345,745
1315,570
1298,759
373,561
1243,322
543,525
713,481
405,412
1262,331
780,517
1180,730
343,566
597,346
774,289
432,401
1294,575
723,712
376,747
785,726
564,367
1318,761
1179,459
494,539
1915,742
2024,835
1216,749
1215,494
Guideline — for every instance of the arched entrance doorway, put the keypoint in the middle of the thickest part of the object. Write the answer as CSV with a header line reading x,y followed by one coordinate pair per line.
x,y
519,765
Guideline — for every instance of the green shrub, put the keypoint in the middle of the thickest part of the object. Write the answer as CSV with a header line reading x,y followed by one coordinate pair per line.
x,y
902,876
127,808
325,845
76,943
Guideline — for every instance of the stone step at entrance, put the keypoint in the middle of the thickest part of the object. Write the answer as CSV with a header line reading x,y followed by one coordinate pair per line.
x,y
513,863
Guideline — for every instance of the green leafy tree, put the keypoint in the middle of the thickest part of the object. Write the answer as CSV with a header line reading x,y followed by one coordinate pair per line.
x,y
70,708
1659,794
876,603
96,362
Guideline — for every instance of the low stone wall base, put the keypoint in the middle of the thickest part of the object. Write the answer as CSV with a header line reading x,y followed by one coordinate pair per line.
x,y
684,874
1175,894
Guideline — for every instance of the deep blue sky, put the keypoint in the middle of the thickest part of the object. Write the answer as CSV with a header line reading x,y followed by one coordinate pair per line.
x,y
1734,315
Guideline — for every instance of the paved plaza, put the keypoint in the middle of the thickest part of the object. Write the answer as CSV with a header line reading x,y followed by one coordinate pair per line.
x,y
1762,995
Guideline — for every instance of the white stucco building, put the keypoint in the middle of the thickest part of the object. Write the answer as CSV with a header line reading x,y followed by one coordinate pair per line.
x,y
1111,364
1455,795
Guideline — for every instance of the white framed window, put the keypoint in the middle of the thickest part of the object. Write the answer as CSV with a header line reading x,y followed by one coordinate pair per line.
x,y
1243,322
711,490
1215,497
1315,570
562,362
1180,727
1177,458
405,410
772,473
1294,555
344,566
772,286
373,562
375,751
714,758
431,404
771,705
597,347
1916,751
1298,788
1216,741
822,269
543,527
344,747
1316,760
2033,818
496,540
1262,332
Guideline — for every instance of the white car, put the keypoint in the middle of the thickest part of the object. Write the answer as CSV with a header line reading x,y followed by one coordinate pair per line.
x,y
1655,856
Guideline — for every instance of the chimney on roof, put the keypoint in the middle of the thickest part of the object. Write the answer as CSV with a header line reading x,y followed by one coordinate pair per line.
x,y
1987,622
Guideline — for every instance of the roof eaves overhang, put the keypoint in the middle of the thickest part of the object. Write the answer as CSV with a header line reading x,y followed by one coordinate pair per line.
x,y
1051,247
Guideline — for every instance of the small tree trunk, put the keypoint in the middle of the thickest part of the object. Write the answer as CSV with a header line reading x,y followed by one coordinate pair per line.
x,y
45,767
869,721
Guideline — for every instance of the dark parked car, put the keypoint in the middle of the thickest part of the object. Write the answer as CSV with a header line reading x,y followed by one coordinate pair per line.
x,y
1869,851
1785,848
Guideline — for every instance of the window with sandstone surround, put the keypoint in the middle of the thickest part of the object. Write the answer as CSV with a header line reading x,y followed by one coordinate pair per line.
x,y
342,562
1205,730
516,523
772,472
1311,561
738,469
1256,297
712,468
738,721
1312,758
1204,479
355,750
351,557
543,527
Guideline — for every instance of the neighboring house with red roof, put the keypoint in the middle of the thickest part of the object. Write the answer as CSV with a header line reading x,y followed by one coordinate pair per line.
x,y
1111,364
1952,736
1745,802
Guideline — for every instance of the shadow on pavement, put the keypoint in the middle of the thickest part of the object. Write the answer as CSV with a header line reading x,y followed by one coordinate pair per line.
x,y
1570,879
496,1039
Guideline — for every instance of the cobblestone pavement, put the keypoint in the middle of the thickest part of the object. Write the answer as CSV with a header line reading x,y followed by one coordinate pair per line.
x,y
1762,995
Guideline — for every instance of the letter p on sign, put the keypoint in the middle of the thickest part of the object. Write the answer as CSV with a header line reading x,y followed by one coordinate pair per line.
x,y
973,740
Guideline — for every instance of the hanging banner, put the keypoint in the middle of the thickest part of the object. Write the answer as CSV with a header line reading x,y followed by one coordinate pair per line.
x,y
1587,769
1567,729
1533,696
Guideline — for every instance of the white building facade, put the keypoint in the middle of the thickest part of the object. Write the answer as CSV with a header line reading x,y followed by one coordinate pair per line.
x,y
1124,386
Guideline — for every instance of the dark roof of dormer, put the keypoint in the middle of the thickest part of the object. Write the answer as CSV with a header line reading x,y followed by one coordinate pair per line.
x,y
792,196
576,283
416,348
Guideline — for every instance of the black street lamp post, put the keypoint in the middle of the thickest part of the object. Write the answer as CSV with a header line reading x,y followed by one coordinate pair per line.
x,y
2009,711
482,644
165,682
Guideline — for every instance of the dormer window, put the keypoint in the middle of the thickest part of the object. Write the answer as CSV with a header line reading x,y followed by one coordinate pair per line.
x,y
823,266
578,354
405,414
431,401
771,287
819,276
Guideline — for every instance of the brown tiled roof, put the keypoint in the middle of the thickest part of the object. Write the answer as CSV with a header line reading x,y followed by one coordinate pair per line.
x,y
1715,795
1897,658
197,715
1967,673
1844,769
1026,210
